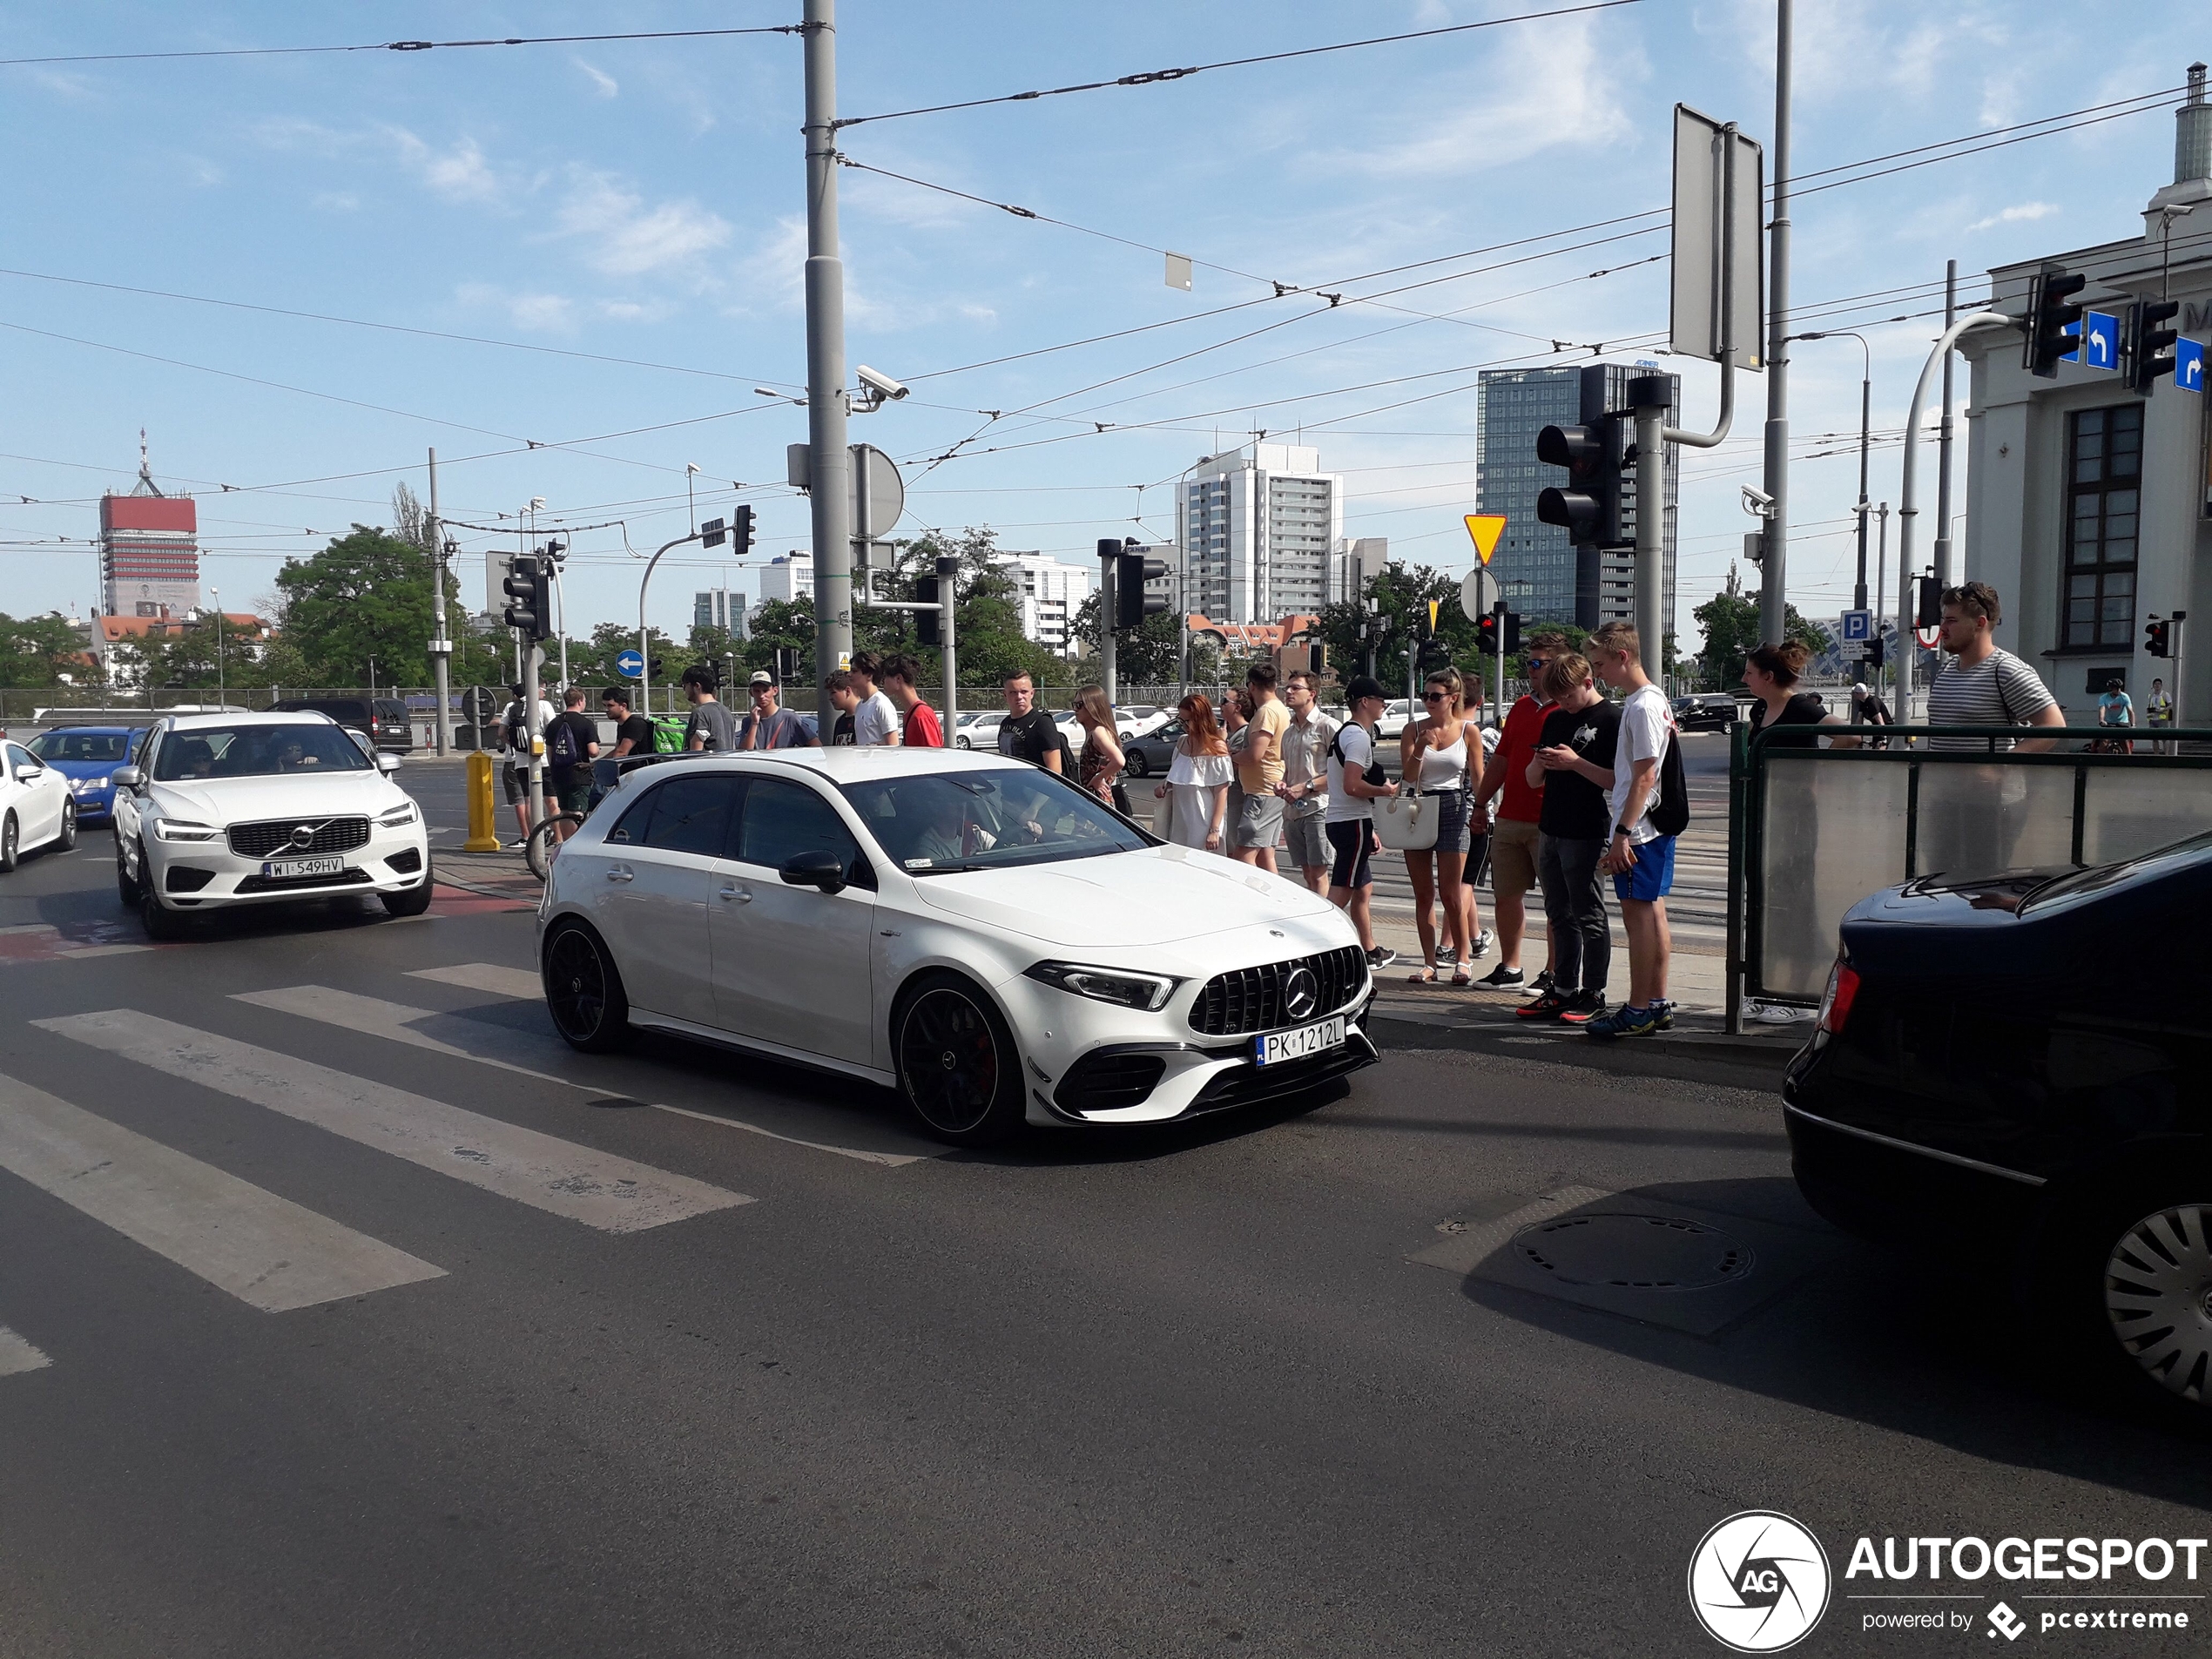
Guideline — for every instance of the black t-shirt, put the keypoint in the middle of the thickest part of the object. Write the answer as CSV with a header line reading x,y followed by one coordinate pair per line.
x,y
1805,709
1573,807
639,730
1032,737
841,734
585,731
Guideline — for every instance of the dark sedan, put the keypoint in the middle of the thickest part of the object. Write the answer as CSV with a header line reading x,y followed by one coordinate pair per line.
x,y
1706,712
2008,1076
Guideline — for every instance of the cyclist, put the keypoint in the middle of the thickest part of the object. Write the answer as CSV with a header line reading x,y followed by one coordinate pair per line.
x,y
2115,712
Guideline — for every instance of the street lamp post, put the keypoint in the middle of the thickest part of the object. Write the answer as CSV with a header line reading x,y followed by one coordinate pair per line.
x,y
1865,432
222,696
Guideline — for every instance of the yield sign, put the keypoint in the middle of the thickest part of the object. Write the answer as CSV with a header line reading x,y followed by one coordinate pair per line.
x,y
1485,528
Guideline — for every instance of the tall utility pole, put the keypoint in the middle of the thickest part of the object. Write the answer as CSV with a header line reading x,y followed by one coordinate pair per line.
x,y
441,647
1773,568
1943,454
829,466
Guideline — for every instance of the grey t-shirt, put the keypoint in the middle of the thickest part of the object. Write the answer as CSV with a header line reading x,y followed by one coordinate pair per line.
x,y
2001,690
713,723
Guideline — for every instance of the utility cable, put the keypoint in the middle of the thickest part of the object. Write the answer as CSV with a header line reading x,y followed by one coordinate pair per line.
x,y
398,46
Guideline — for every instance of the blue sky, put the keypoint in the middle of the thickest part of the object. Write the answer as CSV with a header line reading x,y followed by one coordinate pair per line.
x,y
643,201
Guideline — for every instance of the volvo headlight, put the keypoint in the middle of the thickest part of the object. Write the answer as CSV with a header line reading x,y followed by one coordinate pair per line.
x,y
179,829
399,817
1120,986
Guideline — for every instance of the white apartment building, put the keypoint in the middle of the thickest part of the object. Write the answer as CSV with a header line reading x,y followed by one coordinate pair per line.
x,y
1259,525
1357,561
1050,594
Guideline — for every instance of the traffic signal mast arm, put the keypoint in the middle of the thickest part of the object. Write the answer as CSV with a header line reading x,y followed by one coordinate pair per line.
x,y
644,640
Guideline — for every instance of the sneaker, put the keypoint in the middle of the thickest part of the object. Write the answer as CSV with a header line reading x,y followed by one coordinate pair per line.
x,y
1581,1007
1541,984
1501,978
1779,1013
1625,1021
1446,955
1481,948
1666,1015
1546,1006
1379,958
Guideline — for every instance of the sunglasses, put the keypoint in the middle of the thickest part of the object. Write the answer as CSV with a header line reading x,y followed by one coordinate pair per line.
x,y
1436,696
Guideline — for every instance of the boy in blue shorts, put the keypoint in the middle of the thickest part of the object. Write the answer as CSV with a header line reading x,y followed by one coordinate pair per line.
x,y
1640,859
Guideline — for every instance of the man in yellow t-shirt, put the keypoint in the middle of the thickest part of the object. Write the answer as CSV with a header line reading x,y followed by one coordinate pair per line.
x,y
1259,768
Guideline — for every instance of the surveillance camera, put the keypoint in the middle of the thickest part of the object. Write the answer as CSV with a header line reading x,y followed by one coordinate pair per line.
x,y
1758,501
881,384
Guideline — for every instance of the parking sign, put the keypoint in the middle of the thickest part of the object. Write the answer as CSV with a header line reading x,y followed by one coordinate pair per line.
x,y
1858,627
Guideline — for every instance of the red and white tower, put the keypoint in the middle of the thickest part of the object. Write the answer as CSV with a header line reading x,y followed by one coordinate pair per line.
x,y
149,549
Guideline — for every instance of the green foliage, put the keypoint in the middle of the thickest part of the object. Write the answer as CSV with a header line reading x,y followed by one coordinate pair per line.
x,y
987,623
1731,625
1151,655
366,595
39,650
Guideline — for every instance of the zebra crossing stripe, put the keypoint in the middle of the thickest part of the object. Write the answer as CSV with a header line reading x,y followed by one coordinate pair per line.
x,y
598,1189
268,1251
17,1355
518,982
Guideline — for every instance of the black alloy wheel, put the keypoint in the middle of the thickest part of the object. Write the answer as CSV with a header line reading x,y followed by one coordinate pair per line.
x,y
68,842
159,921
958,1066
583,991
10,854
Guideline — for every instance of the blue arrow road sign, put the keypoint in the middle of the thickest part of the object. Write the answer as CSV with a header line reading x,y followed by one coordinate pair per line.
x,y
2072,330
1858,625
630,665
2100,335
2189,364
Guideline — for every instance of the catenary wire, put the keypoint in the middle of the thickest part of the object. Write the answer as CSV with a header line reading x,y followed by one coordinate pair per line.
x,y
393,46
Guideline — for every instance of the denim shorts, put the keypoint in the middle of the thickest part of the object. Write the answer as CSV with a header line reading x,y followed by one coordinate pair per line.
x,y
1452,816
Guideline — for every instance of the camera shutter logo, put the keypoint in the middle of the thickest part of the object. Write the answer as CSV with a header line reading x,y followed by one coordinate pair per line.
x,y
1759,1582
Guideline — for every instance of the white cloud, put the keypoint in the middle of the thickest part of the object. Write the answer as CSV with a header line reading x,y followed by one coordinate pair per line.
x,y
623,237
79,89
534,313
601,82
460,174
2014,214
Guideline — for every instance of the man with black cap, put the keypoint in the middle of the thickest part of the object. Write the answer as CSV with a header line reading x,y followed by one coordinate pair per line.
x,y
1356,783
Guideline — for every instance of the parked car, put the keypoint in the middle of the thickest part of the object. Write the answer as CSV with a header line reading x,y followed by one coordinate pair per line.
x,y
87,756
246,809
1154,753
1972,1092
36,807
982,936
1395,714
385,718
979,730
1706,712
1142,719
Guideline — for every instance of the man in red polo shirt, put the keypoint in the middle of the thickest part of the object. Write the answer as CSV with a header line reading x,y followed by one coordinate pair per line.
x,y
1513,835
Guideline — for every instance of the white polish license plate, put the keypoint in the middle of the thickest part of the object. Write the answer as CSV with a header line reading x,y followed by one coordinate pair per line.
x,y
1278,1046
292,869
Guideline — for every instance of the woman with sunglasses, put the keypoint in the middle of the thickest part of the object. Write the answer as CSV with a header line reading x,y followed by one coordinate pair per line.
x,y
1443,753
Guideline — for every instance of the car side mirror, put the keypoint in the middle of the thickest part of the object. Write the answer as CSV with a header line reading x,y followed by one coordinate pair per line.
x,y
822,870
26,774
387,763
129,777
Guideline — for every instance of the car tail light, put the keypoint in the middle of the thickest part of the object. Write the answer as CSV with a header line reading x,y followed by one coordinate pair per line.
x,y
1836,1000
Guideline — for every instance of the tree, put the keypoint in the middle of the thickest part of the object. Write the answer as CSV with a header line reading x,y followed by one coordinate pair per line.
x,y
39,650
1402,593
987,616
366,595
1731,625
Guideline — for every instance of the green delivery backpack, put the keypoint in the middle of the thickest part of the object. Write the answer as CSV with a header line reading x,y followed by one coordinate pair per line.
x,y
668,734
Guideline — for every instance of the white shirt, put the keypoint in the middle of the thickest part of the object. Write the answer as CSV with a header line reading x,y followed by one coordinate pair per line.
x,y
1646,719
1358,749
518,743
875,720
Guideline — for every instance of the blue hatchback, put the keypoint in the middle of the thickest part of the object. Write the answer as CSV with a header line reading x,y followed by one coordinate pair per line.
x,y
86,755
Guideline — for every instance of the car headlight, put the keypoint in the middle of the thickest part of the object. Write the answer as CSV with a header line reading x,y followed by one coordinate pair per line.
x,y
1120,986
100,782
399,816
179,829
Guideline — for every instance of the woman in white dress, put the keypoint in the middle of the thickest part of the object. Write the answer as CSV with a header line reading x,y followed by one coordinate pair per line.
x,y
1196,789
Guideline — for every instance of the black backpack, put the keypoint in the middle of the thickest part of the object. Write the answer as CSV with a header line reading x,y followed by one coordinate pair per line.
x,y
561,748
1670,812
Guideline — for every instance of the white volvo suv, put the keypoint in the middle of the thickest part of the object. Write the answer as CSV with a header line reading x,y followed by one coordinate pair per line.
x,y
992,941
235,809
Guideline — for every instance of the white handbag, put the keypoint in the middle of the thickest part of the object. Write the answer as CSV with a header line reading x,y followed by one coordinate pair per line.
x,y
1407,822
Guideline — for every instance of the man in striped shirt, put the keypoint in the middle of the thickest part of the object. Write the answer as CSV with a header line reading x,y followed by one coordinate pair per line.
x,y
1972,818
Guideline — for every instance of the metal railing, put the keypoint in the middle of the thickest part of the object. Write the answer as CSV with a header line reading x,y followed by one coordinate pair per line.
x,y
1813,831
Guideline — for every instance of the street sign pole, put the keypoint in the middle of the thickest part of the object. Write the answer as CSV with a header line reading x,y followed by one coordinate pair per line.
x,y
1773,597
948,600
828,461
441,647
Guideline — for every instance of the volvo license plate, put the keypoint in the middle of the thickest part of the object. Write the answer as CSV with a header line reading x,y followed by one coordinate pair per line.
x,y
1278,1046
295,869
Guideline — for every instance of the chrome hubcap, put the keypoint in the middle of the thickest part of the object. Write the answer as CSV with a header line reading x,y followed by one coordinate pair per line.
x,y
2158,1296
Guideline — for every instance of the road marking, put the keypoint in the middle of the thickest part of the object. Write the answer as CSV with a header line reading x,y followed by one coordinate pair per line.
x,y
517,982
266,1251
394,1021
17,1355
598,1189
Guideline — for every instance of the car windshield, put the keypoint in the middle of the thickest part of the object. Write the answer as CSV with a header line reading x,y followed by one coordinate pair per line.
x,y
100,746
938,823
2105,878
256,751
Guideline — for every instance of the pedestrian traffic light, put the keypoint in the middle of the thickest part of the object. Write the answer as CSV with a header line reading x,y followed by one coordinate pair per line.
x,y
529,587
712,532
1513,632
1486,633
1132,603
929,625
1582,506
1929,610
2150,347
741,533
2051,313
2158,638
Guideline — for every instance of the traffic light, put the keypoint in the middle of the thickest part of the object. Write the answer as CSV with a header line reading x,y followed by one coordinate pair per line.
x,y
2158,639
529,587
741,533
711,533
2150,353
1588,506
1486,633
1513,632
786,665
1131,603
1929,610
1434,654
929,625
1876,651
2051,313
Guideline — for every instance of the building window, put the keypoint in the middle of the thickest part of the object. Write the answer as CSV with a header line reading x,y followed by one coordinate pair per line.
x,y
2104,490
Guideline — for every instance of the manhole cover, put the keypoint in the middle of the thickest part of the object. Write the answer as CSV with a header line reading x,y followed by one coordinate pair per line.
x,y
1634,1253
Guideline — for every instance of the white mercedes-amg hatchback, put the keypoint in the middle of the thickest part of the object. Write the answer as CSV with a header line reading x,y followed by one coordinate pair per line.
x,y
225,809
992,941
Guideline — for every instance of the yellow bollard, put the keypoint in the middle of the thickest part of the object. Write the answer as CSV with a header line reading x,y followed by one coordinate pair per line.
x,y
482,823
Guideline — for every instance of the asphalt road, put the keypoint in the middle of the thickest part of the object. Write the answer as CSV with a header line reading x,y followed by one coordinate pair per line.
x,y
295,1363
